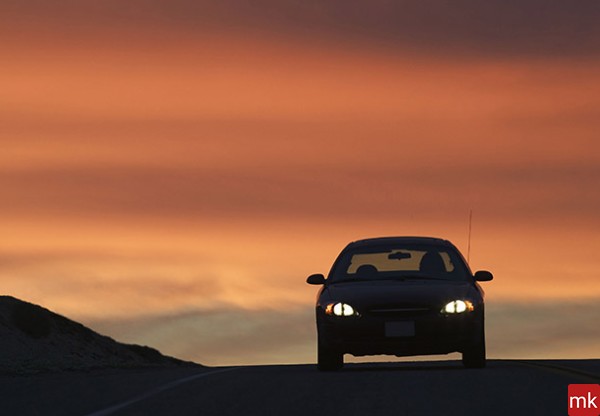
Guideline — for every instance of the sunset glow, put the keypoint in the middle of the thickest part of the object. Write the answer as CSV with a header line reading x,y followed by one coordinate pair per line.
x,y
155,169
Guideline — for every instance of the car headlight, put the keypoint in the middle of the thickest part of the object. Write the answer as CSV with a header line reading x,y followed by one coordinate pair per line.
x,y
458,306
340,309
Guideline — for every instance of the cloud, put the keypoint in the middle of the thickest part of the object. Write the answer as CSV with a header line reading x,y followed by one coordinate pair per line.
x,y
222,337
234,336
557,329
111,282
511,191
498,27
196,268
73,291
156,127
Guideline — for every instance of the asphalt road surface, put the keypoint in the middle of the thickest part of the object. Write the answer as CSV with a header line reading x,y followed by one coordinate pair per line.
x,y
505,387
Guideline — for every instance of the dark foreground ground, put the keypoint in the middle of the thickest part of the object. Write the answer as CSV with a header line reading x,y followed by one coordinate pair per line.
x,y
505,387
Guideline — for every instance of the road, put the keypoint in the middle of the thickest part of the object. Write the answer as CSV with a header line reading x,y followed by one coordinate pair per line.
x,y
505,387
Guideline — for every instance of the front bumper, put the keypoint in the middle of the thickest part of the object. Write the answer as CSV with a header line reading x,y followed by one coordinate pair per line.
x,y
434,333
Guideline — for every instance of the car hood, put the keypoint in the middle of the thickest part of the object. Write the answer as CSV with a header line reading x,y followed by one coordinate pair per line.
x,y
392,292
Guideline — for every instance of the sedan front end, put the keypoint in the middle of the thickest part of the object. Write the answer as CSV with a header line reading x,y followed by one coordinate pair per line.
x,y
400,305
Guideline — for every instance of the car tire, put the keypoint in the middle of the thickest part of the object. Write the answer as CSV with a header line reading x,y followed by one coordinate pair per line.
x,y
329,359
473,355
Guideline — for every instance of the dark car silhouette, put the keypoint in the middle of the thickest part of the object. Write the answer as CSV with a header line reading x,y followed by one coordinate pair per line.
x,y
400,296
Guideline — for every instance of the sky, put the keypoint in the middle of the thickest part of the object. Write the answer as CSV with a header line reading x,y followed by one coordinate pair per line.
x,y
171,171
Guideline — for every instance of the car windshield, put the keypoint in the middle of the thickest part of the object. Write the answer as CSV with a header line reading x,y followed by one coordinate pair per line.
x,y
400,262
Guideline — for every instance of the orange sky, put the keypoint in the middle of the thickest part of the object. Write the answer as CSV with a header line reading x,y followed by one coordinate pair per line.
x,y
152,168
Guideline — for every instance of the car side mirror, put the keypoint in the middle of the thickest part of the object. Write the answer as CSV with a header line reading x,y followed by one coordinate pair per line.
x,y
316,279
483,276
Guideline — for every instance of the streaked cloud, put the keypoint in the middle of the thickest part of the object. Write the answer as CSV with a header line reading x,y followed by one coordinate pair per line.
x,y
166,161
222,337
549,190
531,27
514,330
550,329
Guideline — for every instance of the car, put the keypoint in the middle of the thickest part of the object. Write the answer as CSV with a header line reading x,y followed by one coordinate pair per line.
x,y
400,296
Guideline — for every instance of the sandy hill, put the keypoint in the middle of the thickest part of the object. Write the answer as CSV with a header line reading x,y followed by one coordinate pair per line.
x,y
34,339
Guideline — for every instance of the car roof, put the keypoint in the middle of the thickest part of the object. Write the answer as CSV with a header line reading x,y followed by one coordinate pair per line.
x,y
367,242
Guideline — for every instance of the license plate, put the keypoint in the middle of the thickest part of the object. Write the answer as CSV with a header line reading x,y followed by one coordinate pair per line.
x,y
400,329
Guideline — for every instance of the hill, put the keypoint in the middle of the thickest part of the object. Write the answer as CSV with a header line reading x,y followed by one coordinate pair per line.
x,y
34,339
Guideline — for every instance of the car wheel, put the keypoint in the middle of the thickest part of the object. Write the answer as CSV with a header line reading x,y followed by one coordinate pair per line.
x,y
329,359
473,355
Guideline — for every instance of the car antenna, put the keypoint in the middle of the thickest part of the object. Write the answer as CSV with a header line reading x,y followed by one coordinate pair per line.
x,y
469,241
